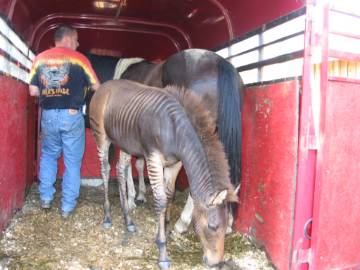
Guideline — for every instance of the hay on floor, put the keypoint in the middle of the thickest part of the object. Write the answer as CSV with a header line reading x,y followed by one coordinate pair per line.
x,y
39,239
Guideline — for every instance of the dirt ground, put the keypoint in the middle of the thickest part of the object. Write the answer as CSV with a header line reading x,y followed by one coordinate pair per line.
x,y
39,239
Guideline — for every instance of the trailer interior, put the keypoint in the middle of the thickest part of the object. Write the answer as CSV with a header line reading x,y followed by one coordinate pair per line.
x,y
300,62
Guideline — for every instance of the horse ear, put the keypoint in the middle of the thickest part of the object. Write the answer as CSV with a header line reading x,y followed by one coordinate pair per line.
x,y
219,198
233,195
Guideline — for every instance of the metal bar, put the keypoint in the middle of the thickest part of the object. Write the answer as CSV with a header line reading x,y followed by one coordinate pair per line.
x,y
345,13
25,55
306,153
122,20
102,27
342,79
266,44
324,66
226,15
255,84
343,34
264,27
13,60
274,60
344,55
11,8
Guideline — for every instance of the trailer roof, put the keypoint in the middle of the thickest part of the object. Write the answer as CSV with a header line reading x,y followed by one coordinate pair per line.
x,y
149,28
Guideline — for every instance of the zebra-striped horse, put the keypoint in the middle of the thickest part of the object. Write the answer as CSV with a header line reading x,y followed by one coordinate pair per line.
x,y
166,127
204,73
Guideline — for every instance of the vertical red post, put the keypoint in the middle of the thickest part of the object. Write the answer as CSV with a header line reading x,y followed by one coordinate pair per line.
x,y
307,155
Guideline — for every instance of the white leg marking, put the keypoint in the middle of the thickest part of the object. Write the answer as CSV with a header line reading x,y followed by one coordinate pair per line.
x,y
184,221
139,164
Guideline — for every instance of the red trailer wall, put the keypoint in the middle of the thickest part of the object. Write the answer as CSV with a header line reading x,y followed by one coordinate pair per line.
x,y
337,204
269,162
17,145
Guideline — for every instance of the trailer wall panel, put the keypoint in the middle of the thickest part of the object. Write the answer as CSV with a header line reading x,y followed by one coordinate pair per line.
x,y
17,142
269,163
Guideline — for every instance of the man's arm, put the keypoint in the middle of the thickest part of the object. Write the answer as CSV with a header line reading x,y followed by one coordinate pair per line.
x,y
34,90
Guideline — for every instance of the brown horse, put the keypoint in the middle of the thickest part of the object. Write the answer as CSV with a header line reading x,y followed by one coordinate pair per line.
x,y
165,126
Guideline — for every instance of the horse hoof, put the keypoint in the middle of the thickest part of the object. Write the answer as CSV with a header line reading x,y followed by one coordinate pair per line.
x,y
164,264
131,228
175,235
131,204
107,224
140,201
229,230
180,227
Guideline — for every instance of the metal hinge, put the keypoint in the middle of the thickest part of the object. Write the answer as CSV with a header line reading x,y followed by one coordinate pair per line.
x,y
312,142
301,256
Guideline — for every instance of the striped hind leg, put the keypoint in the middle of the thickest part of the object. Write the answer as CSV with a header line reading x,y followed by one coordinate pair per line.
x,y
103,152
140,164
170,174
156,177
122,168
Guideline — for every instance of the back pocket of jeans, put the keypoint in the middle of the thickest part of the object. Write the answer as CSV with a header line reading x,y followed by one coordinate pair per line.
x,y
78,126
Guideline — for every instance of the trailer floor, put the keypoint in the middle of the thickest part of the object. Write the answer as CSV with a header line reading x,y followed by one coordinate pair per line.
x,y
39,239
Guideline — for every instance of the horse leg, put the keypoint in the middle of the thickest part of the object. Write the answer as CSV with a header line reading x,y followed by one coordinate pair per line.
x,y
184,221
103,152
139,164
229,228
122,170
156,177
230,222
170,174
130,186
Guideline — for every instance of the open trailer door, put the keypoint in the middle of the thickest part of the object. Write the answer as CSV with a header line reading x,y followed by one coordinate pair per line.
x,y
330,238
335,238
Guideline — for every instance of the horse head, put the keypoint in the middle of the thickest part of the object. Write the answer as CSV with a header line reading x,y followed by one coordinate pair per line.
x,y
210,221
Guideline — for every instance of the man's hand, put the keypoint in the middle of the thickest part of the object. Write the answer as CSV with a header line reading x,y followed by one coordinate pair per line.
x,y
95,86
34,90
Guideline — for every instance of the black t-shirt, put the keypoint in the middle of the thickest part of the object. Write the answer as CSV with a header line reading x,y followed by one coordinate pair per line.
x,y
62,75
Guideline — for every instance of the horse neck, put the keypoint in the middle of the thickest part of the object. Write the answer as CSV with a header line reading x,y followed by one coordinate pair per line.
x,y
203,160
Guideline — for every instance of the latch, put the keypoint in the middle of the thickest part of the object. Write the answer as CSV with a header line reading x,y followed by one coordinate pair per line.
x,y
301,256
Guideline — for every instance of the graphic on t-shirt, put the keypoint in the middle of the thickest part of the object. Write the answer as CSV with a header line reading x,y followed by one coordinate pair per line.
x,y
61,74
54,76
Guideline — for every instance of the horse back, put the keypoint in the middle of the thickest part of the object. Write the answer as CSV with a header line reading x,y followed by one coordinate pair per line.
x,y
196,70
134,117
144,72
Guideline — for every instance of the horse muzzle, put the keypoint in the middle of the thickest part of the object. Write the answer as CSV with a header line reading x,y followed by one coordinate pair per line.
x,y
211,262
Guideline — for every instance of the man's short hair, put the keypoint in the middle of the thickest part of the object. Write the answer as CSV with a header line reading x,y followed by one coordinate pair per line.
x,y
63,31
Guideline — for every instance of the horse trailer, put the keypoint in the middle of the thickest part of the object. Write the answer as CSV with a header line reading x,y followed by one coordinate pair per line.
x,y
300,64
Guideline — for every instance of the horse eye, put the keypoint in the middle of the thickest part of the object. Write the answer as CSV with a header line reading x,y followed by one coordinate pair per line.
x,y
213,227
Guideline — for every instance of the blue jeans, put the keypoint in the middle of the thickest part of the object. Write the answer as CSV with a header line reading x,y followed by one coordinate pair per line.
x,y
62,132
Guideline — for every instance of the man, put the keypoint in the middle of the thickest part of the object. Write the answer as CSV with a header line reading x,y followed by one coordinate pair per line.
x,y
59,76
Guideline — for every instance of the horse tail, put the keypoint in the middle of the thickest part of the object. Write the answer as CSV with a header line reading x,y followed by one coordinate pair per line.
x,y
230,91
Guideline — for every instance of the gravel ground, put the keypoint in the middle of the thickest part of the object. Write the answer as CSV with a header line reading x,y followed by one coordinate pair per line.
x,y
39,239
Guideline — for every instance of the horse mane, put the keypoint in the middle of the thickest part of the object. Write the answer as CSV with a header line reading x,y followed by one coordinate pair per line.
x,y
205,128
